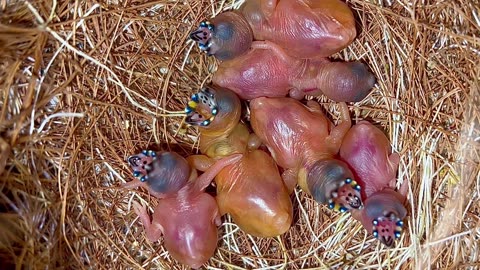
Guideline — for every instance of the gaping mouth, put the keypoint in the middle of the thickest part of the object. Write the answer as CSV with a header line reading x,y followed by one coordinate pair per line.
x,y
387,228
141,164
387,240
203,36
346,196
202,108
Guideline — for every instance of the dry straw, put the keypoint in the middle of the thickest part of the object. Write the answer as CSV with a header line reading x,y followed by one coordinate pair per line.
x,y
84,84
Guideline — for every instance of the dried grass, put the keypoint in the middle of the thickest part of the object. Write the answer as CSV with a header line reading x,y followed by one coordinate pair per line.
x,y
84,84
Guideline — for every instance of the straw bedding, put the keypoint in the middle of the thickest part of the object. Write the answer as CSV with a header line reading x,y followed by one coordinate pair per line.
x,y
84,84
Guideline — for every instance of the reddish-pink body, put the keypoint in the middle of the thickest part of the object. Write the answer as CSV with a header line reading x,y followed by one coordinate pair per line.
x,y
185,215
188,226
306,29
367,151
305,143
251,190
267,71
295,135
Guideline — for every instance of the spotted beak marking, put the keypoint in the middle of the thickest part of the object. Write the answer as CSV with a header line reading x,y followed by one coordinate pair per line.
x,y
346,196
141,164
387,229
203,35
202,108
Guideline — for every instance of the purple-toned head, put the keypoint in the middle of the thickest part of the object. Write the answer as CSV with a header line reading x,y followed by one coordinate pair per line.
x,y
383,215
226,36
164,173
331,182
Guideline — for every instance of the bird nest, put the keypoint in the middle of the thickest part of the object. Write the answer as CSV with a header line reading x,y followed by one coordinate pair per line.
x,y
84,84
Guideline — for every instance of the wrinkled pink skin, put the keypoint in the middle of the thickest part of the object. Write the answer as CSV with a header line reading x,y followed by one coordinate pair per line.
x,y
187,218
305,29
267,71
304,142
367,151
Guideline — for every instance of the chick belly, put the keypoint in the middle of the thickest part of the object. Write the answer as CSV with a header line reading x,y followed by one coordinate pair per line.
x,y
253,193
197,250
190,234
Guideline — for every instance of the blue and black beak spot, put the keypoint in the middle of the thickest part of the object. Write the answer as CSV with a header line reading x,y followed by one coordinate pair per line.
x,y
336,206
140,163
353,183
375,224
195,97
202,108
205,47
149,153
398,229
205,123
207,24
331,205
203,35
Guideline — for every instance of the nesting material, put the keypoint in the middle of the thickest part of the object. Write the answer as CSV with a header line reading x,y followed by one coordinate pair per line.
x,y
84,85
